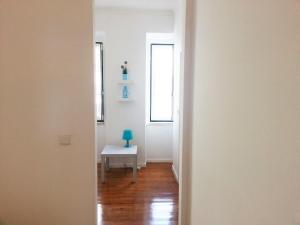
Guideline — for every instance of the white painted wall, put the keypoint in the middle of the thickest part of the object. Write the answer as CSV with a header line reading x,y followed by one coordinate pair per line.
x,y
159,143
246,125
186,115
46,89
125,39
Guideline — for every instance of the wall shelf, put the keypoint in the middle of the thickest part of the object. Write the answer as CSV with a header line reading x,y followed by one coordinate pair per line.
x,y
122,82
125,99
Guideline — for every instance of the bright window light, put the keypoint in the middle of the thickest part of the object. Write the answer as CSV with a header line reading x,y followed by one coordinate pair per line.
x,y
99,81
161,83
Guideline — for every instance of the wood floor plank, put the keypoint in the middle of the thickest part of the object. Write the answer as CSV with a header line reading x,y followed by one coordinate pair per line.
x,y
152,200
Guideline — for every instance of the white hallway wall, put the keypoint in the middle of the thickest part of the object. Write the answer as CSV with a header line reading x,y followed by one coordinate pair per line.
x,y
125,39
179,36
246,125
46,89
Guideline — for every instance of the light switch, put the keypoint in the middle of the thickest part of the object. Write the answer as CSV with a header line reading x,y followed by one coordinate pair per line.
x,y
65,139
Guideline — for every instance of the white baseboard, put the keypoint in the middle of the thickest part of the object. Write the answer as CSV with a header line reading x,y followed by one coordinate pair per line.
x,y
175,174
124,165
159,160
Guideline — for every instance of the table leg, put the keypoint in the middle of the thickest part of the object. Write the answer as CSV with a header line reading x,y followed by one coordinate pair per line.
x,y
103,169
107,163
134,168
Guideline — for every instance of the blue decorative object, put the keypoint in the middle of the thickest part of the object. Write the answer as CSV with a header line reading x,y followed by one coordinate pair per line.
x,y
124,71
127,136
125,91
125,76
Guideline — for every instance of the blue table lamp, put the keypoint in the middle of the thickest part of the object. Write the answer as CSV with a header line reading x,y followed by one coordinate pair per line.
x,y
127,135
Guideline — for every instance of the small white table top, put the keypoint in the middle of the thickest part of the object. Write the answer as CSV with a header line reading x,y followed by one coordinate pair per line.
x,y
112,150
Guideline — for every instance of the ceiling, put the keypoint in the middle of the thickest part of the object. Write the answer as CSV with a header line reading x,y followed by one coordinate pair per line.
x,y
138,4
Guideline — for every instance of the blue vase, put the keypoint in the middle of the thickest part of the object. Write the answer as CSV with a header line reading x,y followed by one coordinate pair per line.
x,y
125,92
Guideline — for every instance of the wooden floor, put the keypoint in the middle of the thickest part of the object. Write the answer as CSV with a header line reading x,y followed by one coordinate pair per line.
x,y
152,200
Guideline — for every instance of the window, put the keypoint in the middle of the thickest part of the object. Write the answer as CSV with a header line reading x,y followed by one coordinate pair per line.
x,y
161,82
99,82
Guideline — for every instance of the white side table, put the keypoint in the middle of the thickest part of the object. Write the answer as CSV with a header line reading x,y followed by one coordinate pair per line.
x,y
111,151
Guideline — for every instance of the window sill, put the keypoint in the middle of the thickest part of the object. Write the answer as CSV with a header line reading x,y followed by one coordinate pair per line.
x,y
100,123
159,124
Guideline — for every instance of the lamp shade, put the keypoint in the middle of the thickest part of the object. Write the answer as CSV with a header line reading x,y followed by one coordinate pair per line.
x,y
127,135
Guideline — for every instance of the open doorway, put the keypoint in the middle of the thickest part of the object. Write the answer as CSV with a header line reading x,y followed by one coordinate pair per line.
x,y
144,99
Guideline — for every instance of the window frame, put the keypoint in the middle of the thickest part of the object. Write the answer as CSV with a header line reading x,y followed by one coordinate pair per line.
x,y
161,121
101,120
